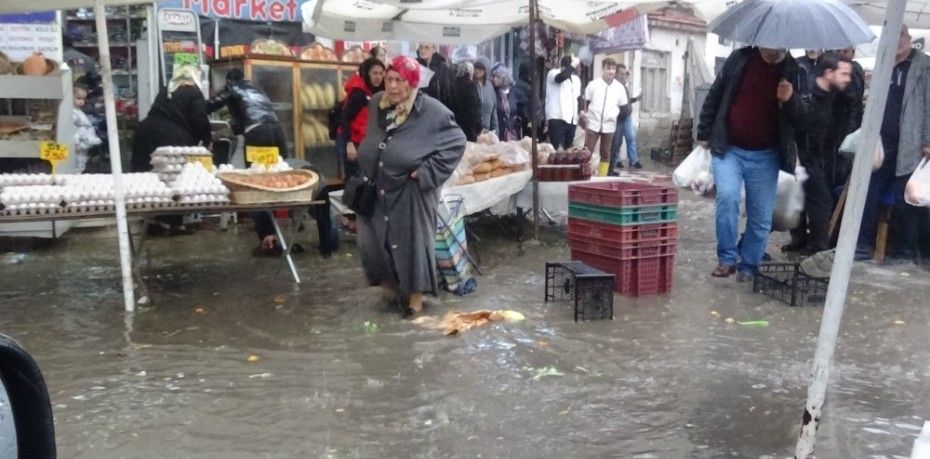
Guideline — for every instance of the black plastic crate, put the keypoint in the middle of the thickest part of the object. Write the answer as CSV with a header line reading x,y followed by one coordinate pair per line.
x,y
785,282
590,288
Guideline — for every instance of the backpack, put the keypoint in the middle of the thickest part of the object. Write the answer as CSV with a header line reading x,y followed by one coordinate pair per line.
x,y
334,118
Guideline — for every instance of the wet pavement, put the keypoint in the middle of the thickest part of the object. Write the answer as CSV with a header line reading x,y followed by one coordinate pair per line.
x,y
666,378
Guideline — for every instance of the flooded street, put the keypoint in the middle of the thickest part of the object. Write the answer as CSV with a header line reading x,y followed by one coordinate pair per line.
x,y
666,378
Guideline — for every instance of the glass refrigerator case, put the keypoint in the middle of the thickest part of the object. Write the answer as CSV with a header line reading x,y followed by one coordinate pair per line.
x,y
303,93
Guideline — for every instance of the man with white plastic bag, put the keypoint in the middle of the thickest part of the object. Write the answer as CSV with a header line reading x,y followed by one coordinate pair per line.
x,y
748,121
832,74
905,136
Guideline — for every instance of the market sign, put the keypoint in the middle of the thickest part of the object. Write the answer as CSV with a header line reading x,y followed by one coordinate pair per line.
x,y
250,10
24,34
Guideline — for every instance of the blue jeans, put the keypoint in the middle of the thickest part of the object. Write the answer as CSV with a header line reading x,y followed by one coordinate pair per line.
x,y
625,131
759,171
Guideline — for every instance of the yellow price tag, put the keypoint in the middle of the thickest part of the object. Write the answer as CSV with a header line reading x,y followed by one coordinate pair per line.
x,y
266,156
207,161
53,152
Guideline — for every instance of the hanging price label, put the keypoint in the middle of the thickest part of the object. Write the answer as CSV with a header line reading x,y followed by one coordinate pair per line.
x,y
53,152
207,161
266,156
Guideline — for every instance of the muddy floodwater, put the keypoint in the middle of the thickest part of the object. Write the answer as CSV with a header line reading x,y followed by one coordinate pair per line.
x,y
667,378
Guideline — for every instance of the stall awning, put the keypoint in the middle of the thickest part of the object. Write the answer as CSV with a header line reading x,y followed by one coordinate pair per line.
x,y
472,21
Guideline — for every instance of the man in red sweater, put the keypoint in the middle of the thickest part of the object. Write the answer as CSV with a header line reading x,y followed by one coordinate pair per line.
x,y
748,122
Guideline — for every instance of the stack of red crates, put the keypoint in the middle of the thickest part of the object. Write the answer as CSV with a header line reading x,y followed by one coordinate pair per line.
x,y
627,229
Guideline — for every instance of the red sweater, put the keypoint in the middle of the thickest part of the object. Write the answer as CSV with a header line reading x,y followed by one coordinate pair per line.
x,y
753,117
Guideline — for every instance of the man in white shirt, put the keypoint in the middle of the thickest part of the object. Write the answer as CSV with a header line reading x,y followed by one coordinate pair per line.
x,y
563,88
603,99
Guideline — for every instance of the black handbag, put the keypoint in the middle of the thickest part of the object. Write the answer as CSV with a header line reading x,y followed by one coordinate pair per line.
x,y
361,193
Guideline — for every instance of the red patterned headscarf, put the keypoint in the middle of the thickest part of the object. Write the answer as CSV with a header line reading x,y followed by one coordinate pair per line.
x,y
408,68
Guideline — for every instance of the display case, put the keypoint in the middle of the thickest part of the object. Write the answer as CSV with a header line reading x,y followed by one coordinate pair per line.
x,y
35,109
303,93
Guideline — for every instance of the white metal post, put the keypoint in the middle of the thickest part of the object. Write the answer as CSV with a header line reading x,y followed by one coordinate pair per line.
x,y
849,231
116,164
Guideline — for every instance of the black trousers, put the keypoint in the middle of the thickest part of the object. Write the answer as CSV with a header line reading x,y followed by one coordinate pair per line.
x,y
329,238
906,219
268,135
561,134
818,207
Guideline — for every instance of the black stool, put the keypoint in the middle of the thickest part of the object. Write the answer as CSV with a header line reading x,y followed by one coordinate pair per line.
x,y
591,289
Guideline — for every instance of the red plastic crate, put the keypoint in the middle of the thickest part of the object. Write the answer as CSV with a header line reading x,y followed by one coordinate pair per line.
x,y
622,194
636,277
622,251
623,234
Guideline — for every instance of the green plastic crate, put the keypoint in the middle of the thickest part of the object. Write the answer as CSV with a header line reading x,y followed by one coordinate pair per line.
x,y
625,215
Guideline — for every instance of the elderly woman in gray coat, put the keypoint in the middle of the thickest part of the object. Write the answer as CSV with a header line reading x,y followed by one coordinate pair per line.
x,y
411,147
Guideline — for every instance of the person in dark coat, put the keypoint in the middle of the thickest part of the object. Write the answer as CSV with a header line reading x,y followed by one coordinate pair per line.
x,y
817,151
178,117
848,108
359,89
441,86
523,89
749,122
254,118
467,102
411,148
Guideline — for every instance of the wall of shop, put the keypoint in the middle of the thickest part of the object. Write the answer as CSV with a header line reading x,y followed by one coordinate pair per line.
x,y
658,74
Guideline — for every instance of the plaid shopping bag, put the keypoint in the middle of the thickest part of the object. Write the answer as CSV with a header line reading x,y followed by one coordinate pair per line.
x,y
451,247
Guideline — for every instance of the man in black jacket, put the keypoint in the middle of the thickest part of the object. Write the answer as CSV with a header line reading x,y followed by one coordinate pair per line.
x,y
748,122
848,108
442,86
254,117
817,153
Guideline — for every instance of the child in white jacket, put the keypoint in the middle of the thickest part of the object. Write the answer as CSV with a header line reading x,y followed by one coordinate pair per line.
x,y
85,136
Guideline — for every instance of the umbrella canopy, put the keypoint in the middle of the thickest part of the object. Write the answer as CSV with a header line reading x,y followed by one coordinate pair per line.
x,y
825,24
916,13
472,21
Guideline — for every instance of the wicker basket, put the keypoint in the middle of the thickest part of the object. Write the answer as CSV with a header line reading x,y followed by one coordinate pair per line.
x,y
245,193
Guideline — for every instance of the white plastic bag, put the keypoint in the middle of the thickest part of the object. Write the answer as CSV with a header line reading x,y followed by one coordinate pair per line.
x,y
851,144
695,171
789,202
917,190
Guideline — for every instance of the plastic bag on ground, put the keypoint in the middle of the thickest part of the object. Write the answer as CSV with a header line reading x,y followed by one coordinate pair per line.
x,y
695,171
917,190
789,203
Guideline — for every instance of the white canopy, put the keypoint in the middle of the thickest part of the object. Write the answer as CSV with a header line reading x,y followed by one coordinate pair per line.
x,y
19,6
916,13
472,21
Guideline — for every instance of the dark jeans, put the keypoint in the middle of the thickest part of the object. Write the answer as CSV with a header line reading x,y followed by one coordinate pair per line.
x,y
906,218
329,238
818,207
349,168
561,134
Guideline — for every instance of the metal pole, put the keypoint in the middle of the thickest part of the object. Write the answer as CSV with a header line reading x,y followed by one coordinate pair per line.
x,y
849,230
534,128
116,162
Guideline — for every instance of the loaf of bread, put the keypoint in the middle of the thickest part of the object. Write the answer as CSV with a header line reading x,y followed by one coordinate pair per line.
x,y
483,168
482,177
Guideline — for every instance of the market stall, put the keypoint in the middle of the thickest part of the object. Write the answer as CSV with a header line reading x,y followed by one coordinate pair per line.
x,y
183,181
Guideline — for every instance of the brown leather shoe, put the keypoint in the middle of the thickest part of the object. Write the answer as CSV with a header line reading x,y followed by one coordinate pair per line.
x,y
723,270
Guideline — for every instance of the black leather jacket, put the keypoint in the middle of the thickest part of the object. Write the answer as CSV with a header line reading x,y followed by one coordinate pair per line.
x,y
791,117
247,104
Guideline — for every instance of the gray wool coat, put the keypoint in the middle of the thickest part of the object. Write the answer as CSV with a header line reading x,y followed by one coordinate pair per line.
x,y
915,115
396,243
